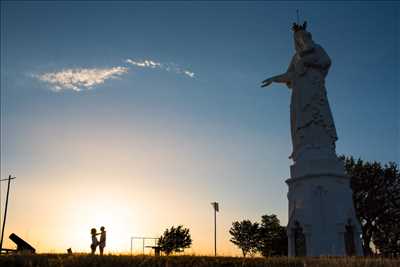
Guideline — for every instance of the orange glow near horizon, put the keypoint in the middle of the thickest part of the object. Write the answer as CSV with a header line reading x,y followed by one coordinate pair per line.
x,y
55,215
63,216
135,183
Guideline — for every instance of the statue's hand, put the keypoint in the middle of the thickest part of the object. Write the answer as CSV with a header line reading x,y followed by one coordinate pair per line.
x,y
267,82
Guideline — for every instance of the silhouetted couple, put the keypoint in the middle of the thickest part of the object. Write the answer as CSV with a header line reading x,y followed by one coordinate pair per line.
x,y
95,242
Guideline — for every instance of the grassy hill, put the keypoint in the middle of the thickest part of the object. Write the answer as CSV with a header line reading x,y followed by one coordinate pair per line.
x,y
62,260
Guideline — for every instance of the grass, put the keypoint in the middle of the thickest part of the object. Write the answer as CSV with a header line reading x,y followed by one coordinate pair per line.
x,y
62,260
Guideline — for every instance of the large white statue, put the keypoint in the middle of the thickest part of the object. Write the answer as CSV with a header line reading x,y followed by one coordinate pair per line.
x,y
312,125
322,219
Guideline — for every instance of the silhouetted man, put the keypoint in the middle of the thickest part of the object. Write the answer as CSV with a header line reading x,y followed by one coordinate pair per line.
x,y
102,242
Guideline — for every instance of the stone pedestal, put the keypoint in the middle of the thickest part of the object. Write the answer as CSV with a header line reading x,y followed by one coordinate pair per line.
x,y
321,210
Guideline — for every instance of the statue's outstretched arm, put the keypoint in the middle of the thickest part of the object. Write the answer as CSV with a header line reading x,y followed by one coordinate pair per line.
x,y
282,78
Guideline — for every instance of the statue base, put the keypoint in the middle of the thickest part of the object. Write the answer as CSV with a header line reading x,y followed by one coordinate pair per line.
x,y
322,219
332,166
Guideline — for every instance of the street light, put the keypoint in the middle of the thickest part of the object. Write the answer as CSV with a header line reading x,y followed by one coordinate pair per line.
x,y
216,209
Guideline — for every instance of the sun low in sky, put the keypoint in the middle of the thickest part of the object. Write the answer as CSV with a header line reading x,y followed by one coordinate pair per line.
x,y
135,116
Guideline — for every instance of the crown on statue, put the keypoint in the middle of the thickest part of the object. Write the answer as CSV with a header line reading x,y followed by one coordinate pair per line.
x,y
297,27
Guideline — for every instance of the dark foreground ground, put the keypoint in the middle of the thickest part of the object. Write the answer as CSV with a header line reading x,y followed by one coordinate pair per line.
x,y
60,260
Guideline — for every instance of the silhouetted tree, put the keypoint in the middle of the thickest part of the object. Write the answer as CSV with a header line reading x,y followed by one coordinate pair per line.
x,y
376,196
273,238
245,235
175,239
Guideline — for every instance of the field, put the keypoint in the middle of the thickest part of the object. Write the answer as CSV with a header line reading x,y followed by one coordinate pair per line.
x,y
62,260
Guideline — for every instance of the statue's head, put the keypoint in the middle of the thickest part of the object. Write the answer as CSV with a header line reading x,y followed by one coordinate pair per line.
x,y
302,38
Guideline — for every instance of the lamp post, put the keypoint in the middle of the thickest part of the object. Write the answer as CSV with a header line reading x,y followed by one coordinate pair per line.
x,y
216,209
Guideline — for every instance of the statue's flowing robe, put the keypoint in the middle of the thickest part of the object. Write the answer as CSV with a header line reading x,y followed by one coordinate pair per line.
x,y
312,124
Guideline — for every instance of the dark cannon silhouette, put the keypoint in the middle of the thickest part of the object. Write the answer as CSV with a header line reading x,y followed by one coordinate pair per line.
x,y
22,245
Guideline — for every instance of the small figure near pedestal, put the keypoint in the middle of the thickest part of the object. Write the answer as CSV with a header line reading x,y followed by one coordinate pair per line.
x,y
350,245
299,241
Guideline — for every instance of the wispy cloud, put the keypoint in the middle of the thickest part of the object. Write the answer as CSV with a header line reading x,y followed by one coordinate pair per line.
x,y
144,64
158,65
80,78
188,73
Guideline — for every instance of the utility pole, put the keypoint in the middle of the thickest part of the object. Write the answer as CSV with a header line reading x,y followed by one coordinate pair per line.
x,y
5,211
216,209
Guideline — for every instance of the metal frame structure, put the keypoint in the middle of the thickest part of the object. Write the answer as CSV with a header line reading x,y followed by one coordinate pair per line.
x,y
143,242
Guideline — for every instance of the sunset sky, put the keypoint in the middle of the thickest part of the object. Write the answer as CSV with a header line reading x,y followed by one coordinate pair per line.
x,y
136,116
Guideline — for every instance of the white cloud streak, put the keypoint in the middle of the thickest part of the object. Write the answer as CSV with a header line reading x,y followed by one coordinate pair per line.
x,y
144,64
80,78
163,66
188,73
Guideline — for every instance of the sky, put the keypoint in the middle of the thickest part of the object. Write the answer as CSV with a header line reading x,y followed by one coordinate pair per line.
x,y
137,116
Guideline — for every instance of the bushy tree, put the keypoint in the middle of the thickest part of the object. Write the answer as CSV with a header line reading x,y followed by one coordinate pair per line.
x,y
245,235
175,239
376,196
272,237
